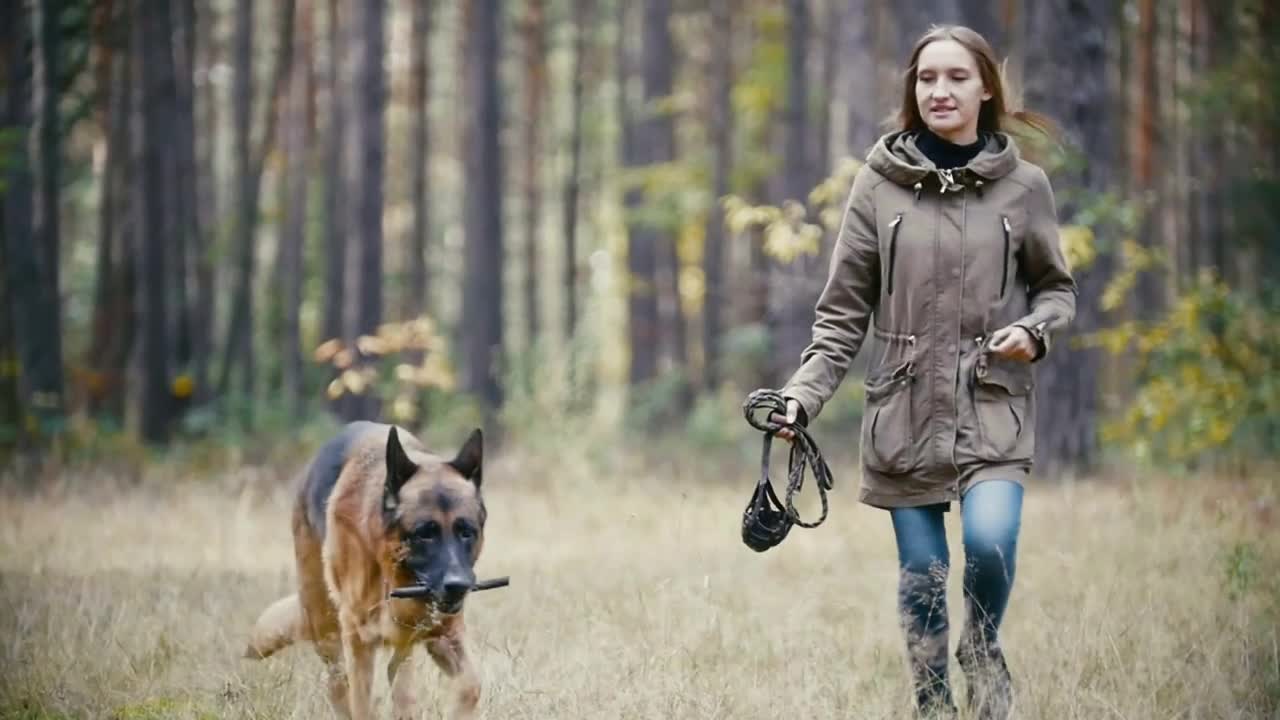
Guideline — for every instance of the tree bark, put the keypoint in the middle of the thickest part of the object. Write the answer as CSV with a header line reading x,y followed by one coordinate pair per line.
x,y
239,342
721,133
828,82
795,284
188,240
156,137
208,210
335,180
296,141
861,79
249,166
984,16
658,146
482,300
642,299
34,316
21,279
1073,57
581,23
47,149
535,91
111,330
369,112
419,178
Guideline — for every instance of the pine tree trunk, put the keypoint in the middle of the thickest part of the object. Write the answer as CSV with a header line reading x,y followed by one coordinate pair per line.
x,y
335,178
21,279
417,302
1074,55
297,148
370,104
1147,144
47,379
535,89
239,348
208,212
861,76
111,330
984,17
795,282
29,248
642,299
721,134
156,137
657,145
188,241
581,23
482,300
249,166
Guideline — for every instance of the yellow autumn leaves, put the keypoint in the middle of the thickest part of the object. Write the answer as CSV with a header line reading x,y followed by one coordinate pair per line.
x,y
419,339
1207,370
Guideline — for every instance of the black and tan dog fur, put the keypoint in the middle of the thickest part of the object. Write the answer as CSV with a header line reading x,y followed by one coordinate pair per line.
x,y
376,511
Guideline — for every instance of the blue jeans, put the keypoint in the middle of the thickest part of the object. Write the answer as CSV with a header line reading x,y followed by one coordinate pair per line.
x,y
991,513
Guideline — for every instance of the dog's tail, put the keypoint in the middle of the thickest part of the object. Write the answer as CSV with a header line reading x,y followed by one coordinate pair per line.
x,y
278,627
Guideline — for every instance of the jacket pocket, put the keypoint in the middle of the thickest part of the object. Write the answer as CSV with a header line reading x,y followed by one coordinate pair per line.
x,y
1001,390
896,223
888,433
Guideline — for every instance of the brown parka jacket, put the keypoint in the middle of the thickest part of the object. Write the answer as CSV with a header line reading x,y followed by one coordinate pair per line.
x,y
930,263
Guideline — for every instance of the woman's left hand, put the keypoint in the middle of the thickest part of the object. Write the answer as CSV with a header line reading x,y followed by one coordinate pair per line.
x,y
1013,342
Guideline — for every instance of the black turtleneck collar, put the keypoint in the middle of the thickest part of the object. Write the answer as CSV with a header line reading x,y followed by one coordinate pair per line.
x,y
946,154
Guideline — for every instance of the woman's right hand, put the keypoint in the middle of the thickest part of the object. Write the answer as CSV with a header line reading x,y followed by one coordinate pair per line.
x,y
793,413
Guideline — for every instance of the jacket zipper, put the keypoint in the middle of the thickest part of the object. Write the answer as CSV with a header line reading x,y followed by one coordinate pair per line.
x,y
893,247
1004,270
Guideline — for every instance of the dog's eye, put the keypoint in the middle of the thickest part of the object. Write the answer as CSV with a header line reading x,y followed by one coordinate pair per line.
x,y
465,531
427,531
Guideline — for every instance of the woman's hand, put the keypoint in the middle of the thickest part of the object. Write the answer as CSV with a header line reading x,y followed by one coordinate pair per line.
x,y
1013,342
793,413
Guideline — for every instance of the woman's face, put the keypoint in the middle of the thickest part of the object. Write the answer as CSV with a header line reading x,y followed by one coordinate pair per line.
x,y
949,91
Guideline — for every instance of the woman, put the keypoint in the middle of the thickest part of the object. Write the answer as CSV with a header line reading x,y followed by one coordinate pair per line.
x,y
948,255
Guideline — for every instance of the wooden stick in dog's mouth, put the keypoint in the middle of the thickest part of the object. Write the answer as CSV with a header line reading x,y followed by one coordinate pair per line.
x,y
420,591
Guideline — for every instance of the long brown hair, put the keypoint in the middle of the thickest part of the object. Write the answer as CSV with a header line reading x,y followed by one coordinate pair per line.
x,y
995,114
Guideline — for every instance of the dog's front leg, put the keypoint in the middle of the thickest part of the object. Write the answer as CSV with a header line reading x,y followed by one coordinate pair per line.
x,y
357,655
401,675
451,655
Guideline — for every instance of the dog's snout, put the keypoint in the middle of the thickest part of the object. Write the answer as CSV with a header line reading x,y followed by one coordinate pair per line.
x,y
456,587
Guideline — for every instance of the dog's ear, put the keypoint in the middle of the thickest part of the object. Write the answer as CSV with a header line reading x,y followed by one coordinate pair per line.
x,y
469,460
399,469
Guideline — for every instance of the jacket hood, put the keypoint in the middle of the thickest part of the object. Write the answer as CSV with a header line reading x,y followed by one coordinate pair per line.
x,y
897,157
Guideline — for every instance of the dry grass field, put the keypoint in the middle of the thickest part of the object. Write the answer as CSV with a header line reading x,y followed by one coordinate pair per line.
x,y
632,597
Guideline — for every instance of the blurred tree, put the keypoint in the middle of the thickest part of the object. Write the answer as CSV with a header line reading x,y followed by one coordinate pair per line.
x,y
721,134
641,280
581,19
533,27
796,281
367,178
482,299
416,300
238,348
1073,54
30,204
156,133
289,269
112,325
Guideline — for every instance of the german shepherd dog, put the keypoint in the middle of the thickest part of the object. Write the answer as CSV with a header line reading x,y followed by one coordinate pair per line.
x,y
375,511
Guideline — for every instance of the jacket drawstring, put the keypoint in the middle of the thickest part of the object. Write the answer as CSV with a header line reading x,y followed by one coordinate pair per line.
x,y
919,189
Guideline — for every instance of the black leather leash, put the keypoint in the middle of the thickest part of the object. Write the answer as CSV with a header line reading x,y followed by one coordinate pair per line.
x,y
767,520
